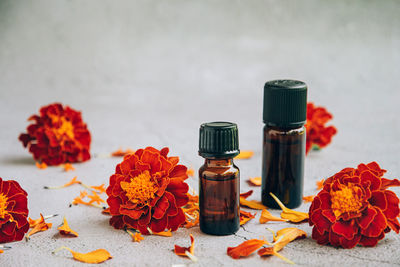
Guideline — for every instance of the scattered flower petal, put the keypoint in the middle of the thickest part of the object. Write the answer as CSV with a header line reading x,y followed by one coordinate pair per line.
x,y
246,216
245,154
65,230
68,167
96,256
190,172
256,181
136,236
106,211
122,153
33,223
266,216
41,166
100,188
252,204
57,135
186,251
95,198
320,184
245,248
72,182
191,211
308,198
246,194
289,214
41,226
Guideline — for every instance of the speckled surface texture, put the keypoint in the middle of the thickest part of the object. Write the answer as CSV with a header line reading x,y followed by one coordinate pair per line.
x,y
150,72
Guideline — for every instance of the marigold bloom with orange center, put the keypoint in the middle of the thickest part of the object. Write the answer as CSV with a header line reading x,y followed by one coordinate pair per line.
x,y
13,211
355,207
57,135
148,191
317,133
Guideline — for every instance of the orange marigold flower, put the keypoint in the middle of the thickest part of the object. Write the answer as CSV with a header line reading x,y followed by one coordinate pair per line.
x,y
355,207
13,211
57,135
317,133
148,190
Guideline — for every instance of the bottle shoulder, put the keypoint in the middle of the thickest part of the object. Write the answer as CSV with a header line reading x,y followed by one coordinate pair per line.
x,y
218,171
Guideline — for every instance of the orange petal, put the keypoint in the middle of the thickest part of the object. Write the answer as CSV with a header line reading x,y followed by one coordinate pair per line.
x,y
165,233
68,167
106,211
72,182
95,198
246,194
101,188
246,248
252,204
246,216
308,198
255,181
65,230
245,154
136,236
190,172
291,215
183,251
121,153
39,227
266,216
41,166
96,256
282,238
320,184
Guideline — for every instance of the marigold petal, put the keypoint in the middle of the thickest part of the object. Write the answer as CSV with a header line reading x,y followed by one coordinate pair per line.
x,y
161,208
256,181
377,226
266,216
252,204
245,154
368,177
246,194
245,248
371,241
96,256
66,230
345,228
392,210
323,238
181,251
175,221
386,183
291,215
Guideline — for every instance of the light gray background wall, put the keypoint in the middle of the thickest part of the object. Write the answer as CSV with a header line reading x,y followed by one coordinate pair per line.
x,y
149,72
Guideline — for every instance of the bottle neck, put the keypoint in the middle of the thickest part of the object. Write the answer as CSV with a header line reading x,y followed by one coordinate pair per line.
x,y
219,162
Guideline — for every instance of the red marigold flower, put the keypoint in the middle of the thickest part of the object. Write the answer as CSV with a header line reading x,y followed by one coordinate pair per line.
x,y
13,211
147,191
355,207
58,135
316,132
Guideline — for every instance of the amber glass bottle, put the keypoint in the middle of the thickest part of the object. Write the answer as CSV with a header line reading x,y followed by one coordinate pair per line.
x,y
219,178
285,111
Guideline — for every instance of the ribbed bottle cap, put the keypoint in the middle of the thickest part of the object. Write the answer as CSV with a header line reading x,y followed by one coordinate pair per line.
x,y
285,103
218,140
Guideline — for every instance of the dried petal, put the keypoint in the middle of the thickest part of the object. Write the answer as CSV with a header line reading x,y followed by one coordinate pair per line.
x,y
256,181
282,238
165,233
41,166
68,167
65,230
266,216
246,194
246,248
136,236
246,216
39,227
245,154
100,188
72,182
186,251
252,204
308,198
96,256
291,215
320,184
122,153
95,198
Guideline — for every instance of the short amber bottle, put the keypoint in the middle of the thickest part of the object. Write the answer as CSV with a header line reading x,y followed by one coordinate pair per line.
x,y
219,179
284,139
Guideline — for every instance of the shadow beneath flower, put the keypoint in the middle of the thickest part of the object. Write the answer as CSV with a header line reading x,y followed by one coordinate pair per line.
x,y
24,160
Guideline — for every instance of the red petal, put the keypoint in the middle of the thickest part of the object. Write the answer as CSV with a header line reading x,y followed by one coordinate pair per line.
x,y
386,183
394,225
322,224
175,221
160,208
371,241
164,151
393,205
159,225
134,214
177,186
322,239
153,159
377,226
378,199
350,243
180,172
367,216
347,229
368,177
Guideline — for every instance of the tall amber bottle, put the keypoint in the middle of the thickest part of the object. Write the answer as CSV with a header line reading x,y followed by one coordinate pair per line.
x,y
285,113
219,178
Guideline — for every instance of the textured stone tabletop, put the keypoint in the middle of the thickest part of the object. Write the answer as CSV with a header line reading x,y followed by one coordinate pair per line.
x,y
150,72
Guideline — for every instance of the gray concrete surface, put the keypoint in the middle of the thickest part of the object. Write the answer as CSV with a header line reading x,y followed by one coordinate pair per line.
x,y
149,72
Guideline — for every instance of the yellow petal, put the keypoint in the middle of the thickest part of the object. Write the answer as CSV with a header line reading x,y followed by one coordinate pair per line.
x,y
165,233
245,154
308,198
65,230
41,166
96,256
40,226
252,204
291,215
245,217
266,216
256,181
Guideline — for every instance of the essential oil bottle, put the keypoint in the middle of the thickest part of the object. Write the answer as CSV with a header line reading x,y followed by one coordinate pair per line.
x,y
219,178
285,113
